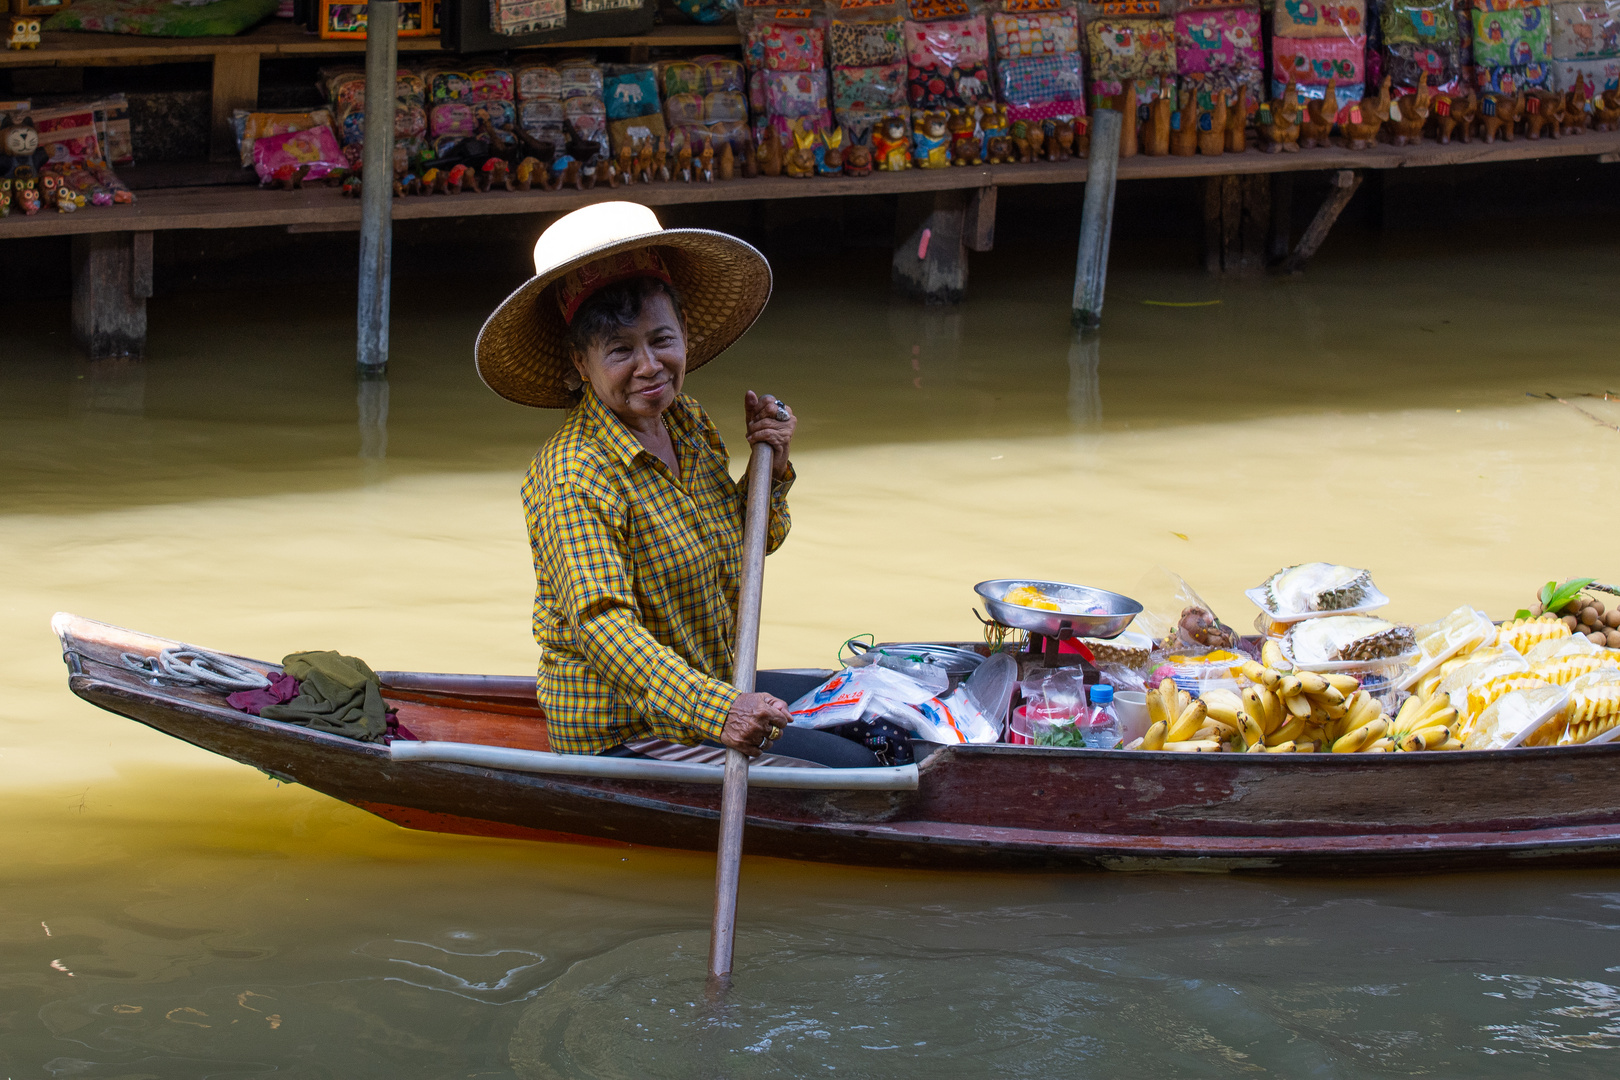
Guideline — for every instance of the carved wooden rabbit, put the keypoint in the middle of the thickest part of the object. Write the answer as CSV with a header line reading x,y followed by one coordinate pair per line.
x,y
858,158
770,153
1237,118
728,161
1319,115
832,153
801,160
1156,128
1279,132
1212,126
1184,126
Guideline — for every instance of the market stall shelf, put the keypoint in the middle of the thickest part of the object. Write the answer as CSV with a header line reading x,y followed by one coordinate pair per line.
x,y
965,807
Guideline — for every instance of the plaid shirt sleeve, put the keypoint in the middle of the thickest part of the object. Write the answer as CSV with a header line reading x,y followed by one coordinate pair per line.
x,y
781,517
580,546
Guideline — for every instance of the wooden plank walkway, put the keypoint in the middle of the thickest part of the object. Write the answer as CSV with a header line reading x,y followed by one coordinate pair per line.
x,y
247,207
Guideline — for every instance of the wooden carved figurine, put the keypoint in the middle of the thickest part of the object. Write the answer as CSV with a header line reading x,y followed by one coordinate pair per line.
x,y
1237,119
683,163
750,157
858,158
1184,125
1413,112
1543,110
1455,114
1319,115
1037,141
24,32
1212,126
801,160
1498,114
930,140
27,197
705,164
1000,151
1363,121
1063,135
627,163
1020,142
1155,137
831,159
5,195
891,144
644,168
1606,111
993,123
1129,140
1577,111
964,138
728,162
568,175
1278,124
770,153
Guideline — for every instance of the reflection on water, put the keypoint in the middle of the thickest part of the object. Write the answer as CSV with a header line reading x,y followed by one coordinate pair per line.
x,y
171,914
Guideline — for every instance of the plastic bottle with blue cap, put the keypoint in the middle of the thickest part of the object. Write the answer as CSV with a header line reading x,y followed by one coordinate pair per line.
x,y
1102,732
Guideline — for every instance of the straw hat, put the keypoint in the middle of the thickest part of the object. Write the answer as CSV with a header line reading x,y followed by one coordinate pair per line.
x,y
522,351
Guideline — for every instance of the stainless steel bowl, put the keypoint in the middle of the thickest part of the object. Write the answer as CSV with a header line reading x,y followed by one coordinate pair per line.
x,y
1084,611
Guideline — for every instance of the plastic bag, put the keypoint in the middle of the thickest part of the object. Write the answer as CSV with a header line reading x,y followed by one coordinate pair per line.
x,y
1512,38
1418,22
992,684
1328,18
1218,41
863,36
317,147
532,82
875,692
629,92
251,126
1121,49
1587,31
1313,62
1176,617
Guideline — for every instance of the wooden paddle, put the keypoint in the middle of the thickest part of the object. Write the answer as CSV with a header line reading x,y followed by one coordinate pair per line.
x,y
734,793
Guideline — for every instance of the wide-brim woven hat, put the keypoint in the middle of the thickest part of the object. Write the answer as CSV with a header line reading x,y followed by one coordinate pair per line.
x,y
522,351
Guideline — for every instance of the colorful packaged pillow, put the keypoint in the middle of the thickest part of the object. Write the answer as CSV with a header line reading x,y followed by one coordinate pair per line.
x,y
865,44
489,84
785,47
1131,48
949,88
947,43
795,93
316,147
446,86
1512,38
545,114
1418,22
1596,75
1313,61
630,93
1512,79
683,109
456,118
252,126
721,74
869,89
682,77
1033,80
532,81
1407,61
1330,18
580,80
1218,40
725,106
1585,31
1044,33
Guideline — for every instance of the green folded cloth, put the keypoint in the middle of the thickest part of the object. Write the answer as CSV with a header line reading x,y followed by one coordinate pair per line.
x,y
336,693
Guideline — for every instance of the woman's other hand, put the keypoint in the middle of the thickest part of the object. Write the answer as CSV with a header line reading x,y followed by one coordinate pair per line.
x,y
766,424
750,721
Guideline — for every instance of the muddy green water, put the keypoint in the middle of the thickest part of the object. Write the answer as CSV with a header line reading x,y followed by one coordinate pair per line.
x,y
170,914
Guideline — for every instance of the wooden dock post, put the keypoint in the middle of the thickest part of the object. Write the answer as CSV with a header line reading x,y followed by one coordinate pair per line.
x,y
1341,186
377,187
1096,218
112,279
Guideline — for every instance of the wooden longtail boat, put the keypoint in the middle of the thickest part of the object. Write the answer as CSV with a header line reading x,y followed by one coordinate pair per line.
x,y
963,807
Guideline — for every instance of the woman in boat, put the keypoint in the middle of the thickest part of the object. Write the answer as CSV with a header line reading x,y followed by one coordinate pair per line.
x,y
634,519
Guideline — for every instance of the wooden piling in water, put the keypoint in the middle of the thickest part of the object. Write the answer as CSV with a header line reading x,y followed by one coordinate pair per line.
x,y
1096,218
377,188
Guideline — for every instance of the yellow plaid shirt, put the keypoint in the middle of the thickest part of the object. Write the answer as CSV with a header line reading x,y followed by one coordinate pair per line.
x,y
636,578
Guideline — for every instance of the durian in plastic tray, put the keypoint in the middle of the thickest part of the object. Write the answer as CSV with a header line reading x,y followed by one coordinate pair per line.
x,y
1374,601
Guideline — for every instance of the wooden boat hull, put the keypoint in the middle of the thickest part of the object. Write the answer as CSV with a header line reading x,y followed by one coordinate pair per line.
x,y
976,807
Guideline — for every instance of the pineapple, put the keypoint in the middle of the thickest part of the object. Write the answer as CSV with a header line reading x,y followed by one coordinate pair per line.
x,y
1522,634
1566,669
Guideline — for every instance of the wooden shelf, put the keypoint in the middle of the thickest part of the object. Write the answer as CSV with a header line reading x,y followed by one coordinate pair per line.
x,y
249,207
276,38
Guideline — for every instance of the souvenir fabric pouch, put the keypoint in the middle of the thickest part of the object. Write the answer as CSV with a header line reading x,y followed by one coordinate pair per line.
x,y
722,74
1512,78
316,147
1216,40
725,106
756,93
869,89
630,93
252,126
1418,22
631,130
1512,38
795,93
1407,61
1585,31
546,112
580,80
865,44
783,47
1313,61
1131,48
1596,75
1045,33
1329,18
489,84
455,118
683,109
947,43
536,81
1506,5
445,86
502,115
682,77
1032,80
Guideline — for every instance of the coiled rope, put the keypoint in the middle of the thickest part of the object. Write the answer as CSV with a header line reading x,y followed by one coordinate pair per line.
x,y
188,666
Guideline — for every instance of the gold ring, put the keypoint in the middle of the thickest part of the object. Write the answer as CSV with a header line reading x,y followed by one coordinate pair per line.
x,y
776,733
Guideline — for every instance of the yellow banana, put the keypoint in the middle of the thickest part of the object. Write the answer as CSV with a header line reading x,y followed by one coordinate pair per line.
x,y
1344,684
1154,739
1361,708
1305,747
1334,709
1253,734
1450,744
1188,722
1361,737
1289,686
1326,695
1259,674
1253,706
1427,739
1281,748
1255,748
1312,682
1379,746
1224,706
1201,746
1271,655
1287,732
1274,709
1155,707
1298,705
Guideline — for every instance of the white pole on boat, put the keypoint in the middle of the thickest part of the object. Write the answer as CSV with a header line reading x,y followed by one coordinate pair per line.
x,y
377,188
734,789
1097,218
